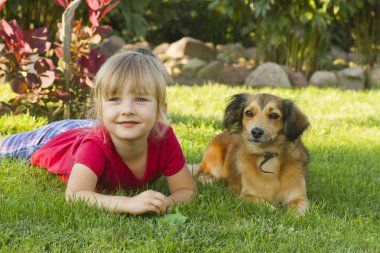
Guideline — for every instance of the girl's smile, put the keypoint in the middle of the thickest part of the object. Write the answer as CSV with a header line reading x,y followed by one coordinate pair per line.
x,y
128,123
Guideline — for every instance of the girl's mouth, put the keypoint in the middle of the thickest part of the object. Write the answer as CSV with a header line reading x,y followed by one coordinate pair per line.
x,y
128,123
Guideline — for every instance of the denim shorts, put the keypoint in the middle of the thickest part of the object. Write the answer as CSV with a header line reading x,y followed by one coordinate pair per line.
x,y
23,145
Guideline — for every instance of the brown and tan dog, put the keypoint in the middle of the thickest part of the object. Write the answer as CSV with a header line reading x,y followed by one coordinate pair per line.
x,y
261,154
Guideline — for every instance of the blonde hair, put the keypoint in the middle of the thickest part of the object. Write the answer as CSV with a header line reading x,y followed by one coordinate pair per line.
x,y
139,71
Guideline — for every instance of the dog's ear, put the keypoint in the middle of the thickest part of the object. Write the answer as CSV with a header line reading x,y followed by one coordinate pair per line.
x,y
296,121
234,112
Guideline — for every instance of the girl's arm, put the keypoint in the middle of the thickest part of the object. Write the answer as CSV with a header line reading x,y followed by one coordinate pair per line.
x,y
82,185
181,186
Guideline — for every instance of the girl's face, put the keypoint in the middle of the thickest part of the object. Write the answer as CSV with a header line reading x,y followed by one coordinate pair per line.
x,y
128,116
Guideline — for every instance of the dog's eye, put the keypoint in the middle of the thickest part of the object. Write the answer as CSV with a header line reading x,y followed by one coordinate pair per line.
x,y
248,114
274,116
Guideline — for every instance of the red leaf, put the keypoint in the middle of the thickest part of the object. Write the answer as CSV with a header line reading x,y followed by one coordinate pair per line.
x,y
44,64
17,31
19,85
93,18
59,52
2,3
32,81
108,9
47,79
7,28
62,94
103,30
37,39
63,3
92,62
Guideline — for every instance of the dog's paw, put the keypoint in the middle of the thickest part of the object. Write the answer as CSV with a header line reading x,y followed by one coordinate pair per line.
x,y
298,206
206,178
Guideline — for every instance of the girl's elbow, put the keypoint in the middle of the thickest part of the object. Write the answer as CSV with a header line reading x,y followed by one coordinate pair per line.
x,y
69,195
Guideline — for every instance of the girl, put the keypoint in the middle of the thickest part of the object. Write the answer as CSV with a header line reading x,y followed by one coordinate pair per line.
x,y
129,147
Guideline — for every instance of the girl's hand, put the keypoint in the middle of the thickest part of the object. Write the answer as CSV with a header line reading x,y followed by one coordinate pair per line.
x,y
148,201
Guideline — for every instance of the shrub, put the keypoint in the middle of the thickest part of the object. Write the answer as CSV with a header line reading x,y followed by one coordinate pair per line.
x,y
35,67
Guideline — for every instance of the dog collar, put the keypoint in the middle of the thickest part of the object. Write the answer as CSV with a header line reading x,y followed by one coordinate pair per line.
x,y
267,157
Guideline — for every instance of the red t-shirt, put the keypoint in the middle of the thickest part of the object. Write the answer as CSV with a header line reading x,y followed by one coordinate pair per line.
x,y
93,147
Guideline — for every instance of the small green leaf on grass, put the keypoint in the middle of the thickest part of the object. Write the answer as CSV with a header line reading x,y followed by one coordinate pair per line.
x,y
173,218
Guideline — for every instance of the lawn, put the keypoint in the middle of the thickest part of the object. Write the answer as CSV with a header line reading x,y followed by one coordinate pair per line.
x,y
343,188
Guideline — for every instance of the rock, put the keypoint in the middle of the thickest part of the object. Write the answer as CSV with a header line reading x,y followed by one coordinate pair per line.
x,y
268,74
212,71
111,45
235,74
192,48
374,78
298,79
251,53
161,48
351,78
338,53
324,79
192,66
231,53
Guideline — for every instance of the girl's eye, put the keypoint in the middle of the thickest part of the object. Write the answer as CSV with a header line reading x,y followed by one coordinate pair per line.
x,y
114,99
141,99
274,116
249,114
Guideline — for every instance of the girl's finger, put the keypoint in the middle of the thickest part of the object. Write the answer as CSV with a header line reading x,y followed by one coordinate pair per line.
x,y
159,204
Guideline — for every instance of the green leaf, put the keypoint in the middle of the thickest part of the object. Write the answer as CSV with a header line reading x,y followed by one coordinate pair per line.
x,y
173,218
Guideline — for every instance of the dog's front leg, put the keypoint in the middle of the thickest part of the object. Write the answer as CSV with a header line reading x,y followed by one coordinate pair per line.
x,y
298,205
254,198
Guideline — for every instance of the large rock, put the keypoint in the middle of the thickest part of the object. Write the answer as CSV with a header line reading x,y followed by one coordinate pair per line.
x,y
192,48
140,44
298,79
111,45
351,78
268,74
192,66
212,71
161,48
374,77
235,74
324,79
231,53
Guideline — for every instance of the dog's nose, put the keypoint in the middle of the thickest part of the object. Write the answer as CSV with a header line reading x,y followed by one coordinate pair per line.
x,y
257,132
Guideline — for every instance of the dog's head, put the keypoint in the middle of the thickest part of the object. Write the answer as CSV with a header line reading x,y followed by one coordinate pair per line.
x,y
262,118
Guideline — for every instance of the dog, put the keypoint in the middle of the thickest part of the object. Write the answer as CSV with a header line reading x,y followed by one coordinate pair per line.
x,y
260,154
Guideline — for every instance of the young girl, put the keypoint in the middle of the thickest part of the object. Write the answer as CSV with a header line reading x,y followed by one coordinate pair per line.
x,y
129,147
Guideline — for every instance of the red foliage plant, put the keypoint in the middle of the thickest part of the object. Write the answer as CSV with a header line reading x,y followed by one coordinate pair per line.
x,y
34,71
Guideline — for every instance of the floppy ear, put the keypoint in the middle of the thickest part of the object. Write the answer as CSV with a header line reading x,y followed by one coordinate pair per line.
x,y
296,121
234,112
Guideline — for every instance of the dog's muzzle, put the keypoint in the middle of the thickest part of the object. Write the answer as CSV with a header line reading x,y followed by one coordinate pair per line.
x,y
257,136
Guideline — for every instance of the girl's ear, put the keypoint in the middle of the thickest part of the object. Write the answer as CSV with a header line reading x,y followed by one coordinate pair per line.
x,y
296,121
234,112
165,108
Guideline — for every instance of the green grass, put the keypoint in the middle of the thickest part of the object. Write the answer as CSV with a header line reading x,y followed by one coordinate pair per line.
x,y
343,188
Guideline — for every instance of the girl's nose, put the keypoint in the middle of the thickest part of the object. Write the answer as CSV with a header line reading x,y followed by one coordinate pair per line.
x,y
127,108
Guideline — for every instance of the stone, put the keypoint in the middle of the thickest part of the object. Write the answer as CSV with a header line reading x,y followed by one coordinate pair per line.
x,y
192,48
212,71
268,74
374,78
351,78
111,45
323,79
